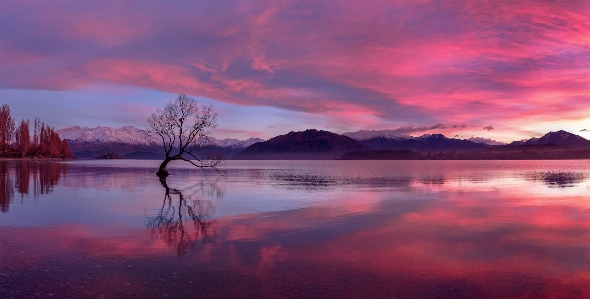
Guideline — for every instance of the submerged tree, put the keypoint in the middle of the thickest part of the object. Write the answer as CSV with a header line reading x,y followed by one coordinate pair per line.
x,y
185,130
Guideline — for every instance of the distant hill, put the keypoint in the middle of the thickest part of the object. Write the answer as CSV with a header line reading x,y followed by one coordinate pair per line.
x,y
133,143
424,144
561,138
307,145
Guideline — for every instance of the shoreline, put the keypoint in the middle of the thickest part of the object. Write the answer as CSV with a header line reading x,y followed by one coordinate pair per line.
x,y
459,159
36,159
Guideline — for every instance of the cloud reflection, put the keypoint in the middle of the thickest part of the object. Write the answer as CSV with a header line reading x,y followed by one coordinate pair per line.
x,y
440,233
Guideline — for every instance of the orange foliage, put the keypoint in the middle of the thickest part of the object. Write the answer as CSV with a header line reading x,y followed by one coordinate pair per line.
x,y
16,142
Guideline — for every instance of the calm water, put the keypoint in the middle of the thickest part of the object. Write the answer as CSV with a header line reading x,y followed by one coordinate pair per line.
x,y
296,229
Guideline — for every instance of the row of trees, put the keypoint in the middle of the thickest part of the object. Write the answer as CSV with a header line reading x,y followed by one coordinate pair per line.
x,y
16,140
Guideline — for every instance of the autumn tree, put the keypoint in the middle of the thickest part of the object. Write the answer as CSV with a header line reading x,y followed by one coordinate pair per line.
x,y
23,138
185,130
6,128
45,142
55,144
66,149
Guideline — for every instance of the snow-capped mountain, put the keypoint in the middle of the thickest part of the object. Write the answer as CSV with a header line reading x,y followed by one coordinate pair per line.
x,y
486,141
127,134
133,135
237,143
364,135
368,134
133,143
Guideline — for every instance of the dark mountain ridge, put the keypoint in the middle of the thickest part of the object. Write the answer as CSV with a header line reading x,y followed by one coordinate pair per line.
x,y
553,145
561,138
307,145
423,144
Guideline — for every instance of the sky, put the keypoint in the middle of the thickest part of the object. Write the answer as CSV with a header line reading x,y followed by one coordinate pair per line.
x,y
504,70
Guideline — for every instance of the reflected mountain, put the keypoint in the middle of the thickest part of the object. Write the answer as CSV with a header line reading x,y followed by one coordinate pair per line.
x,y
25,177
185,217
558,179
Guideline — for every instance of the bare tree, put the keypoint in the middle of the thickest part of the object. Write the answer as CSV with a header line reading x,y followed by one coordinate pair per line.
x,y
185,130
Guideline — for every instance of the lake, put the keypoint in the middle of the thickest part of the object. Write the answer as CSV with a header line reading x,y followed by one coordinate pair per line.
x,y
295,229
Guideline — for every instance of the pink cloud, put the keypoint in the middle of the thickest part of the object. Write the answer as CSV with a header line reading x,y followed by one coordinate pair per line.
x,y
403,61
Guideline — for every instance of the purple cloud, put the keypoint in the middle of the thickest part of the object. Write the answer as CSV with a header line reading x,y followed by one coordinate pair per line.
x,y
404,62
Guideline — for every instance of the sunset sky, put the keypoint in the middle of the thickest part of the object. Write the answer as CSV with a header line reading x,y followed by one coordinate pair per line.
x,y
504,70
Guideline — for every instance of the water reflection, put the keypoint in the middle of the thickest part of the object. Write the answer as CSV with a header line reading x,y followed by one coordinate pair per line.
x,y
314,181
433,180
26,177
180,223
306,180
558,179
402,230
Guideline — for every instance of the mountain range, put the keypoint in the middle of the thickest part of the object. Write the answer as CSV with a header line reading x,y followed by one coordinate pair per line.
x,y
553,145
314,144
133,143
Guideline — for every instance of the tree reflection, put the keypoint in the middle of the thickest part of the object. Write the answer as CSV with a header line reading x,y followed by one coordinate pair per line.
x,y
182,223
6,188
28,177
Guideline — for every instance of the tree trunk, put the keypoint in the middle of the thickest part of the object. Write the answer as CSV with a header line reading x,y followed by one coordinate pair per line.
x,y
162,172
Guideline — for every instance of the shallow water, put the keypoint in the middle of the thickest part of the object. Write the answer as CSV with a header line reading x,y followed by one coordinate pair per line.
x,y
296,229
